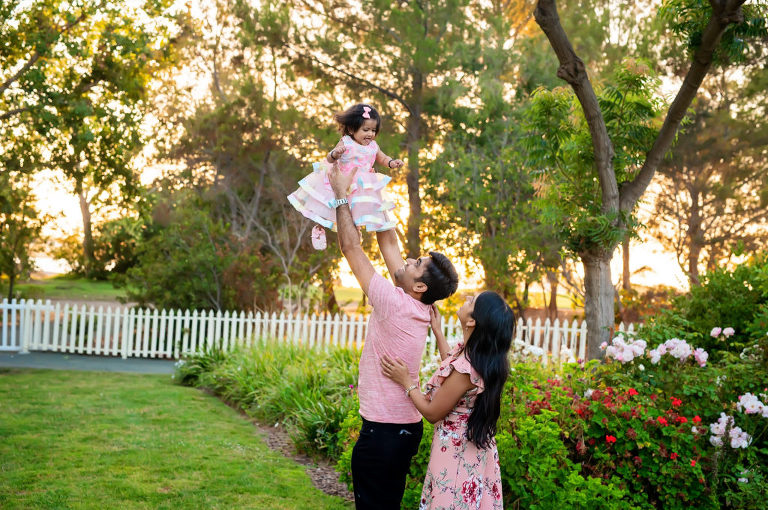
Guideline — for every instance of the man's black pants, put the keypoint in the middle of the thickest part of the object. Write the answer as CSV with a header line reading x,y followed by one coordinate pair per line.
x,y
380,462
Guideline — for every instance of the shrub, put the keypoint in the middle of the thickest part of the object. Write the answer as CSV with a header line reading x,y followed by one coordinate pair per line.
x,y
309,392
726,298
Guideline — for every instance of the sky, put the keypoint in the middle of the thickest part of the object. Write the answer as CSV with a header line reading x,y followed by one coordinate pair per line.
x,y
55,199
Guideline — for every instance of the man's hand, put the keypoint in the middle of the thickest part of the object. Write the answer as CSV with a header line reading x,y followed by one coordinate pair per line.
x,y
340,181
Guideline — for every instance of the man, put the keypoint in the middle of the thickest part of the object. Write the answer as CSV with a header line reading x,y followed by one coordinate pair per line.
x,y
392,427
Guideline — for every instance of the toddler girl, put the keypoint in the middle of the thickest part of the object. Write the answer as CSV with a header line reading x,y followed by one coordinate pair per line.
x,y
356,152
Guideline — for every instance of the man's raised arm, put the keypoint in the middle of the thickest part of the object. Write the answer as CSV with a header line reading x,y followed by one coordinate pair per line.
x,y
390,250
349,237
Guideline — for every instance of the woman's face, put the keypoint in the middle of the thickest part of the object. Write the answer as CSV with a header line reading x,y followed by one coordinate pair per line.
x,y
465,312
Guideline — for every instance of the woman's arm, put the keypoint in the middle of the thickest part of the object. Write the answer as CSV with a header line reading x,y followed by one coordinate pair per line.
x,y
450,392
436,323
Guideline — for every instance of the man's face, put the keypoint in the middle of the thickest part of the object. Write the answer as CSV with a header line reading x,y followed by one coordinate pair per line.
x,y
408,275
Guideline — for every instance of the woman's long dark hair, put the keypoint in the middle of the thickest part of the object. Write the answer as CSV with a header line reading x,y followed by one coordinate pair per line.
x,y
487,348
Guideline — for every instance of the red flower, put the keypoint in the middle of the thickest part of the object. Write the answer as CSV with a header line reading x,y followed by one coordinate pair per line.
x,y
696,419
673,455
676,401
581,447
662,420
631,434
632,392
610,439
682,419
470,490
591,441
654,397
693,462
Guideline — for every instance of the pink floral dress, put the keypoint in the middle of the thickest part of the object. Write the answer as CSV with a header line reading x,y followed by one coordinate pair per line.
x,y
459,475
369,206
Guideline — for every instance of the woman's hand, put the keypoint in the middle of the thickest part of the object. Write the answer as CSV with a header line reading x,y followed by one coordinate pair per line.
x,y
435,319
396,370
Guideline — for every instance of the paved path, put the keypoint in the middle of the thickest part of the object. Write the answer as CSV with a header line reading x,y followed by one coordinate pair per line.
x,y
61,361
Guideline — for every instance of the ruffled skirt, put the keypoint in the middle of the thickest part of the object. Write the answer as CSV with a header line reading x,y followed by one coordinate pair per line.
x,y
370,208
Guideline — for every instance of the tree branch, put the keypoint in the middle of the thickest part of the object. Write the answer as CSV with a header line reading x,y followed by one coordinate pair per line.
x,y
36,55
572,70
364,81
723,14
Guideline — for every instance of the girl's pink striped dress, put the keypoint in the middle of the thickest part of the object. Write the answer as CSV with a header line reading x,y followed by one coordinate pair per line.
x,y
370,208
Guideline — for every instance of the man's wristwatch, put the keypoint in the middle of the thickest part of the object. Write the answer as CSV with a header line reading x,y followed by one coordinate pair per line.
x,y
339,201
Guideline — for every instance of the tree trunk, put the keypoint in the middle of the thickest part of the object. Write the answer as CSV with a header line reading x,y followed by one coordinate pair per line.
x,y
413,137
598,302
553,283
694,239
11,281
625,275
331,305
88,253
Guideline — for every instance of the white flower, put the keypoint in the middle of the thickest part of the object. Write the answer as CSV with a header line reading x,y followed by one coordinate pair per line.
x,y
750,404
728,332
655,356
701,356
641,367
588,393
715,332
603,346
716,440
739,438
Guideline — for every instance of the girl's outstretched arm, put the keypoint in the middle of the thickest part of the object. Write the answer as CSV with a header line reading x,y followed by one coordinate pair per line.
x,y
387,161
336,153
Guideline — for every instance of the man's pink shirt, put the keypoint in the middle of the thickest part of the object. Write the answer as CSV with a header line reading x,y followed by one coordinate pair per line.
x,y
398,328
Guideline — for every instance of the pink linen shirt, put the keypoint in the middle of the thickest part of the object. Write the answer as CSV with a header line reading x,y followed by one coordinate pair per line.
x,y
398,328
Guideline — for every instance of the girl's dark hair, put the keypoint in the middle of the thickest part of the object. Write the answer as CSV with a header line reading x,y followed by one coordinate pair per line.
x,y
487,348
352,118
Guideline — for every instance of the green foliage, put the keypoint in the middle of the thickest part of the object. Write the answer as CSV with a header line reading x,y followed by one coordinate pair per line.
x,y
688,19
310,393
560,146
20,228
726,298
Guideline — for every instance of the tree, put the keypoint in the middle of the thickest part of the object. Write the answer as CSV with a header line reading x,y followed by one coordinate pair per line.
x,y
76,74
20,226
709,28
242,150
413,59
713,198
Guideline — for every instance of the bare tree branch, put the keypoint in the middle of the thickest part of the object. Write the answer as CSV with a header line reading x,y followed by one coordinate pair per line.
x,y
724,13
572,70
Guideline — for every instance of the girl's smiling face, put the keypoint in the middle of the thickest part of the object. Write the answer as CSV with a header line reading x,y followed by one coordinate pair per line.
x,y
366,133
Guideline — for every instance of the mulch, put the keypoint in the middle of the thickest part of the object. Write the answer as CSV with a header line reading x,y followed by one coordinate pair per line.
x,y
322,473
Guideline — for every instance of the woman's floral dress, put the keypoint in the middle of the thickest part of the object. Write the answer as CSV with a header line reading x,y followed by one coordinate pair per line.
x,y
459,475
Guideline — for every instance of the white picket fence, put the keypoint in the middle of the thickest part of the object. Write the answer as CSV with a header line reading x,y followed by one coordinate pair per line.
x,y
129,332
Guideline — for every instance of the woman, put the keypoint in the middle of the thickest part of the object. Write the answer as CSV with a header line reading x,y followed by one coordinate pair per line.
x,y
463,399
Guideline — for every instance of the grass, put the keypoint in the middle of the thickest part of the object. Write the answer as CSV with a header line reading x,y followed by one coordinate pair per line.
x,y
103,440
67,287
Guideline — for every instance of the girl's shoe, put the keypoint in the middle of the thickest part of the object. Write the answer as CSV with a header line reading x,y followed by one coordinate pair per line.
x,y
318,238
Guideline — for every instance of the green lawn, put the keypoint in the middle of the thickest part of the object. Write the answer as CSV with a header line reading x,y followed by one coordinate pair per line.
x,y
105,440
66,287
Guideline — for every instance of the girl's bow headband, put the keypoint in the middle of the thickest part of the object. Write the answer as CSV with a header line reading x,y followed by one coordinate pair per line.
x,y
366,112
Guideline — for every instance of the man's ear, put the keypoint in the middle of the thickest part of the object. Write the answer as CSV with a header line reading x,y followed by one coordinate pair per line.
x,y
420,287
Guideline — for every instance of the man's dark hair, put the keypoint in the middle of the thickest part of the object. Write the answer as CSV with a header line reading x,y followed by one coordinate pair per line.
x,y
440,277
